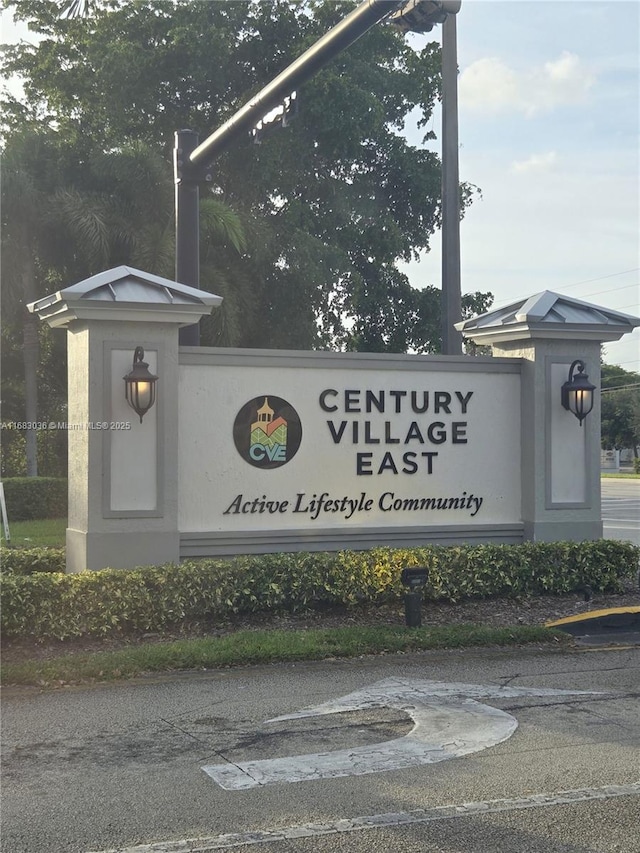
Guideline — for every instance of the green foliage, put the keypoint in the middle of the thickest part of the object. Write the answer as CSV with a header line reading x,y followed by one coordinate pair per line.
x,y
29,561
613,376
620,418
250,647
114,602
329,204
37,533
51,448
636,465
35,497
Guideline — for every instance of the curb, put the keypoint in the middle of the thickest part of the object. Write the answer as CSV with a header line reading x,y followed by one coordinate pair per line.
x,y
607,621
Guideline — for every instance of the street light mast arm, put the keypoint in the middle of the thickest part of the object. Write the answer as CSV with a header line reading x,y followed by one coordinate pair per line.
x,y
356,24
192,160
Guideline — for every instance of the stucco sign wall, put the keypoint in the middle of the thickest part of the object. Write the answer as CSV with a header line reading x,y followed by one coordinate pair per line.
x,y
325,441
258,451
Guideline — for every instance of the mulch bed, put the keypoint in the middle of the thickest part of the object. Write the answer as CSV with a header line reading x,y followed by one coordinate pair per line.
x,y
497,612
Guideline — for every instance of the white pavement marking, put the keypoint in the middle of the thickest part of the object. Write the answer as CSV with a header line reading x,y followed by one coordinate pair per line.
x,y
448,723
381,821
443,730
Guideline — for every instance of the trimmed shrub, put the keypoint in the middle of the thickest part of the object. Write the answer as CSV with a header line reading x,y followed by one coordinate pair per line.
x,y
35,497
27,561
116,602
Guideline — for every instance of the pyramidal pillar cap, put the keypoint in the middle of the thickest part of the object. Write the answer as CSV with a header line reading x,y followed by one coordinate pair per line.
x,y
125,294
551,316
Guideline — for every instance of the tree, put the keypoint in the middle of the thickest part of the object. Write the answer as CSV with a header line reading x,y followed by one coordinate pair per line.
x,y
64,219
331,204
620,421
30,175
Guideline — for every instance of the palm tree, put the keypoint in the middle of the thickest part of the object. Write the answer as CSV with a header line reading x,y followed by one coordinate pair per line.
x,y
29,176
127,218
78,9
63,222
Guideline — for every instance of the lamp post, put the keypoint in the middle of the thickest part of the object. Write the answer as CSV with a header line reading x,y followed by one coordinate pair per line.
x,y
187,223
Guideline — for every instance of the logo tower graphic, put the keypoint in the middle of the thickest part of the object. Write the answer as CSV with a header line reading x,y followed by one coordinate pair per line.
x,y
268,435
267,431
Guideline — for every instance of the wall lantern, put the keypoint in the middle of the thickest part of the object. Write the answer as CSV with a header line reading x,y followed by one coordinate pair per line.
x,y
577,392
140,385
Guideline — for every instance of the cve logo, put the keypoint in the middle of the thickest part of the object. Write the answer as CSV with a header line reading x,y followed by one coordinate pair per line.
x,y
267,432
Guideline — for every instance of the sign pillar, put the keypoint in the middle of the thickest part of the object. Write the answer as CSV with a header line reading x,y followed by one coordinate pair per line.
x,y
123,472
560,457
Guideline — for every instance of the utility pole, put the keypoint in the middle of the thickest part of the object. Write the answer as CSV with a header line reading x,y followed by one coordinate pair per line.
x,y
451,287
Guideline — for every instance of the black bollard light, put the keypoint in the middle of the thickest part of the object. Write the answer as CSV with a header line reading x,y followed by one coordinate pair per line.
x,y
414,579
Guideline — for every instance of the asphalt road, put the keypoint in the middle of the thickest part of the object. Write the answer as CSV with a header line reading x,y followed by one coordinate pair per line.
x,y
120,767
621,509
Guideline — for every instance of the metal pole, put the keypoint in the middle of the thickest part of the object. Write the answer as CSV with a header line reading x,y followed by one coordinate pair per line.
x,y
187,224
451,291
413,608
337,39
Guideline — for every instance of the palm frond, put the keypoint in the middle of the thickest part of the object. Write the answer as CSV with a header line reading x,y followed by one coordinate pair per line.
x,y
77,9
228,325
138,173
220,223
154,249
87,216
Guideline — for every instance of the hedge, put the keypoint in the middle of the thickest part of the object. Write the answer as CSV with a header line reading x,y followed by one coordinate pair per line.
x,y
35,497
117,602
28,561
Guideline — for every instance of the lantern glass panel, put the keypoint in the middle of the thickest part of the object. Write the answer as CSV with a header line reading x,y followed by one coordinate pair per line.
x,y
144,393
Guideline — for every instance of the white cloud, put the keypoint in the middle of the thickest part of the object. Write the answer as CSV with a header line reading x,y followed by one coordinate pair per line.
x,y
536,163
490,85
565,81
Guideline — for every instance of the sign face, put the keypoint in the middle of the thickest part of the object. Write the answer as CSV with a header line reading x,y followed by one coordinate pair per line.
x,y
449,722
298,447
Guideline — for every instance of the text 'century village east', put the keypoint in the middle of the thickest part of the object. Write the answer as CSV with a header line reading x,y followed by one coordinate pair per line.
x,y
372,431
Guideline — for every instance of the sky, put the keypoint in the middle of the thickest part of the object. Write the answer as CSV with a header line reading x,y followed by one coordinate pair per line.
x,y
549,122
549,106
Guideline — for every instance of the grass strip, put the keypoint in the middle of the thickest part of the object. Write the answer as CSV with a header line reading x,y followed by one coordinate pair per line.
x,y
253,647
39,533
